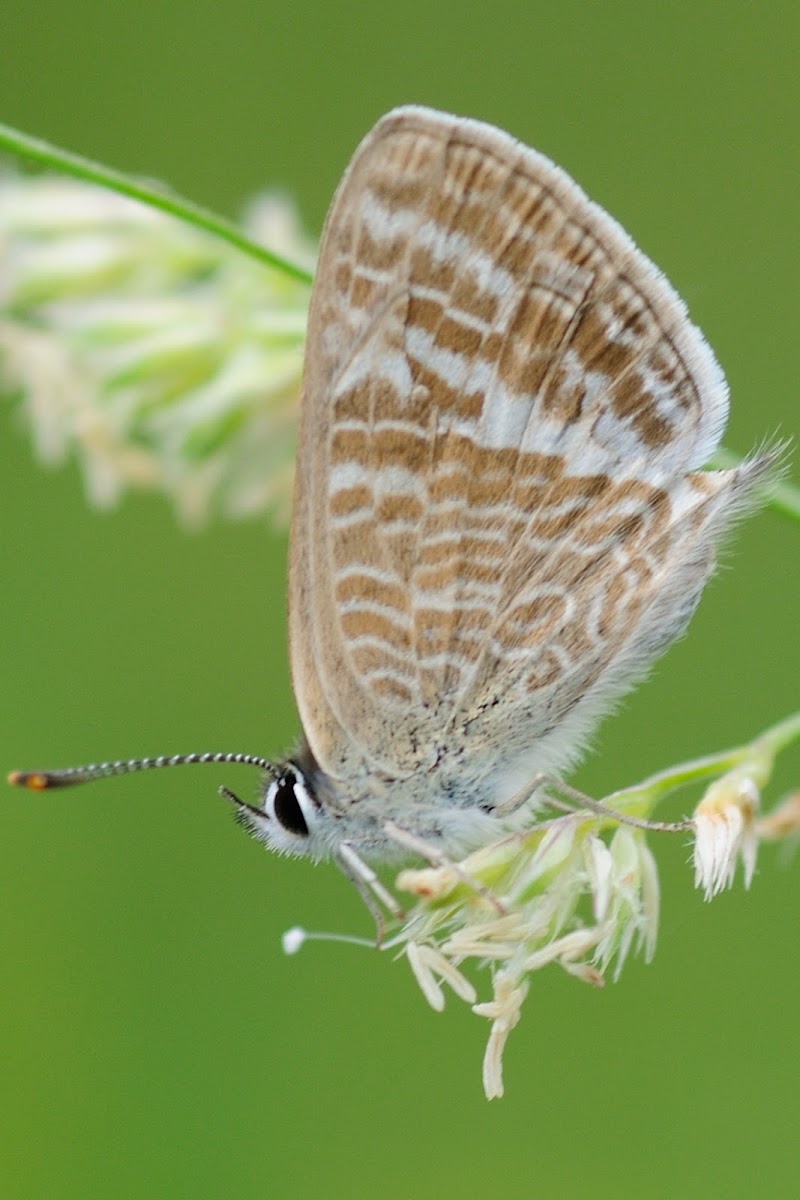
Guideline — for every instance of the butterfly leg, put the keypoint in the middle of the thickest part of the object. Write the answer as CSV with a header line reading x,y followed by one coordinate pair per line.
x,y
522,797
574,800
418,845
377,898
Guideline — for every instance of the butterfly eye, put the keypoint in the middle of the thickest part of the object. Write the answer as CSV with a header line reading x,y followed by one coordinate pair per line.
x,y
289,801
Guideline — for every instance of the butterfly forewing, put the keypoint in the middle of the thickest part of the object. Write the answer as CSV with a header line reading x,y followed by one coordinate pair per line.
x,y
496,523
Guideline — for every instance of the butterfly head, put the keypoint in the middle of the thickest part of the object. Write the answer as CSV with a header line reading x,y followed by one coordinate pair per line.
x,y
289,817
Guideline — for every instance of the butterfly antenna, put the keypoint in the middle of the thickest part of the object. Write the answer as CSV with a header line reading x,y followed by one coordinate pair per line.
x,y
40,781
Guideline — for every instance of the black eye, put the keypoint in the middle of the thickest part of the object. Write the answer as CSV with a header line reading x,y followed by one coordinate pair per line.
x,y
286,806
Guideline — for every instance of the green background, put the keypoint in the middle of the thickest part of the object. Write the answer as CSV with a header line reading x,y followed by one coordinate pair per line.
x,y
153,1039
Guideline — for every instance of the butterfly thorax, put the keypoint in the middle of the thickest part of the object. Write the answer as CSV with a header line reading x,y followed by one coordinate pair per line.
x,y
304,811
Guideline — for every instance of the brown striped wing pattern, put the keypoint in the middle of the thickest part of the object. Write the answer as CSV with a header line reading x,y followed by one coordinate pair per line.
x,y
500,514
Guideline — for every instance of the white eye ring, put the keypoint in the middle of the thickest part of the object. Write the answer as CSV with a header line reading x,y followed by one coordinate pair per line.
x,y
290,804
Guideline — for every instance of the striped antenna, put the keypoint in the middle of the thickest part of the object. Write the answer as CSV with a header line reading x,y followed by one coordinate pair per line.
x,y
40,781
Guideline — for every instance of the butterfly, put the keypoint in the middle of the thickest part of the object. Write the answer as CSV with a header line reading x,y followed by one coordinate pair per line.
x,y
501,516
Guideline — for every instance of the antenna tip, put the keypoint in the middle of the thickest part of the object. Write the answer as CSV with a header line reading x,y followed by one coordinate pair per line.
x,y
36,781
